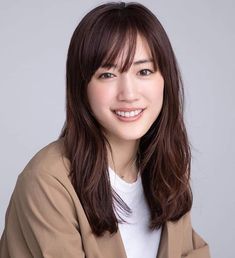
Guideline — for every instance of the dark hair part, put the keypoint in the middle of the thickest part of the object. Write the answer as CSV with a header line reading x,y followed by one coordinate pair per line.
x,y
164,151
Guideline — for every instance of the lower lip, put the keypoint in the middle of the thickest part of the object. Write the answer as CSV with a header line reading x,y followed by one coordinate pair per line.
x,y
129,119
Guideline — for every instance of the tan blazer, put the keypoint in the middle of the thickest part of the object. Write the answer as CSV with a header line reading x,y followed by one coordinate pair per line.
x,y
45,219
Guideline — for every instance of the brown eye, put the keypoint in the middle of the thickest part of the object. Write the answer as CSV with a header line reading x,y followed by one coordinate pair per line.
x,y
106,75
145,72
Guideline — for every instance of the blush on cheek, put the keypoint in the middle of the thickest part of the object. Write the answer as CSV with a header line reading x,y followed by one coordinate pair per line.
x,y
156,94
99,98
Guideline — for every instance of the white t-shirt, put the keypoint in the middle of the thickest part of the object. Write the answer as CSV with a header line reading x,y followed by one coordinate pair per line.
x,y
138,240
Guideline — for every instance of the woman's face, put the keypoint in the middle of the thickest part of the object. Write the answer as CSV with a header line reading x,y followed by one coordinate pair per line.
x,y
117,98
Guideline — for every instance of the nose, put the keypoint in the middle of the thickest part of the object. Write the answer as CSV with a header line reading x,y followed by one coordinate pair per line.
x,y
127,89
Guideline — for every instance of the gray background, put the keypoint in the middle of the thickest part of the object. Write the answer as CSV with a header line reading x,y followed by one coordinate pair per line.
x,y
34,40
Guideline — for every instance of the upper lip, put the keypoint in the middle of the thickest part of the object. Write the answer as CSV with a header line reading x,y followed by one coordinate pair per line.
x,y
128,109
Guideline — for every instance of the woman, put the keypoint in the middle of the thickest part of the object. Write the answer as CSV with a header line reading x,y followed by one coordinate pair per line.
x,y
115,184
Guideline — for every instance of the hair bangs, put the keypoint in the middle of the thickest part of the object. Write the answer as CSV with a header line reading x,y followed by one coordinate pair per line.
x,y
122,51
112,42
115,45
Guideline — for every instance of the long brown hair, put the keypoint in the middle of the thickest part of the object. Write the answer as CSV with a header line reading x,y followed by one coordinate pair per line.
x,y
164,152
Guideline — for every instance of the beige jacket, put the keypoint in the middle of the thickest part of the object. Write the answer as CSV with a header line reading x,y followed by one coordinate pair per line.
x,y
45,219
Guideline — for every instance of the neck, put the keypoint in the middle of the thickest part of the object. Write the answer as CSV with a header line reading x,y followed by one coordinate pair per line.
x,y
123,158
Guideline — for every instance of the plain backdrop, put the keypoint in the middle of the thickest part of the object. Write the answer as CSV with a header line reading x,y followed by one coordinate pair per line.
x,y
34,39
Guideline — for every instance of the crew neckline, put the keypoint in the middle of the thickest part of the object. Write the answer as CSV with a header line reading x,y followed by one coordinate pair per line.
x,y
121,184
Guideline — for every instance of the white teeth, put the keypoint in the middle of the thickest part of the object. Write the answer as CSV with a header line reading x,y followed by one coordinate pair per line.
x,y
128,114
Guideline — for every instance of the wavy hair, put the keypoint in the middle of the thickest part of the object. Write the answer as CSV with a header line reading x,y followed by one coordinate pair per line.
x,y
164,153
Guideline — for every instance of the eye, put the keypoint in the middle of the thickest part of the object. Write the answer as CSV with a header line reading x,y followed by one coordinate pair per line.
x,y
145,72
106,75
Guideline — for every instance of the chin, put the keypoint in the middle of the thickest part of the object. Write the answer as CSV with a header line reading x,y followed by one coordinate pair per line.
x,y
127,134
130,137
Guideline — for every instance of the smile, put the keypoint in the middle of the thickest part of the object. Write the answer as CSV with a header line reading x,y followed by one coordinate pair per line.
x,y
128,116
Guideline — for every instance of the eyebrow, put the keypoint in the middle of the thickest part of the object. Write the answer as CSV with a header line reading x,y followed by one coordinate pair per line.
x,y
142,61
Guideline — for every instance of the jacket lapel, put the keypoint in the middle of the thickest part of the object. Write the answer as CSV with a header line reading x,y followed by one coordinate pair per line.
x,y
171,240
112,246
163,245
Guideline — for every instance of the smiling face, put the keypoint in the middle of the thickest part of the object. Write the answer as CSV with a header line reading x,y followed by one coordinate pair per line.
x,y
112,94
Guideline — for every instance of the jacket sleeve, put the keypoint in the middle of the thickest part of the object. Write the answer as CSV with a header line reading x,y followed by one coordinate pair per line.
x,y
44,211
196,246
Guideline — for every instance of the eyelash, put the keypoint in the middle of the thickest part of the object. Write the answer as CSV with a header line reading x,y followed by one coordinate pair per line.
x,y
101,76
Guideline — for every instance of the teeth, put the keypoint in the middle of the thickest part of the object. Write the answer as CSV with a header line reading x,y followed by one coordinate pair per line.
x,y
128,114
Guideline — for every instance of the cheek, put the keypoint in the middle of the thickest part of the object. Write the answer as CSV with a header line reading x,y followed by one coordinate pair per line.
x,y
98,96
155,92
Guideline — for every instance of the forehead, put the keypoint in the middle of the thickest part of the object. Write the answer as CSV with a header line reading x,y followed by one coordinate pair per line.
x,y
132,53
142,47
142,50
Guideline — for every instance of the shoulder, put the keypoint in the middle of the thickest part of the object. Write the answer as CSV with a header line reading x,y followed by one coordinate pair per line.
x,y
44,207
46,172
45,181
50,160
